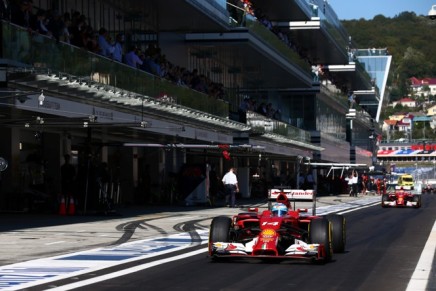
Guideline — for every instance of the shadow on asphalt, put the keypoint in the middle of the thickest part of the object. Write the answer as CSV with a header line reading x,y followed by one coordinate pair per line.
x,y
22,220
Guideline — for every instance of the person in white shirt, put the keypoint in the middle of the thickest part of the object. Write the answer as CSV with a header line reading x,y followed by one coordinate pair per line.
x,y
349,179
353,183
230,182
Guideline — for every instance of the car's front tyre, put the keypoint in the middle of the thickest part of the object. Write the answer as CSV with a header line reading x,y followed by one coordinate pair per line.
x,y
320,232
385,198
417,199
219,231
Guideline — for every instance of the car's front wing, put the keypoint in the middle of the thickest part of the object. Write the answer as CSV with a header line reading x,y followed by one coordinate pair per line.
x,y
298,250
396,204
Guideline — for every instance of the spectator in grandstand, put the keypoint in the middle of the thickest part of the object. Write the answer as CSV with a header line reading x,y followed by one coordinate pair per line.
x,y
118,48
55,24
21,14
132,59
316,72
277,114
175,75
5,9
77,29
202,84
90,39
243,108
104,43
253,105
269,110
265,21
262,109
351,100
151,64
194,79
39,24
65,35
152,50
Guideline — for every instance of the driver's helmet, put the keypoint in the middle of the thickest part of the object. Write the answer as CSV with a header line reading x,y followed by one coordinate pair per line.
x,y
279,210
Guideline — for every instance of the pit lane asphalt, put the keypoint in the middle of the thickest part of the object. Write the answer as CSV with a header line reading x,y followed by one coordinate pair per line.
x,y
29,236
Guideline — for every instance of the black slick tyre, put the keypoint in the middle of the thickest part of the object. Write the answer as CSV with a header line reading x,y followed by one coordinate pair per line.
x,y
320,232
417,199
219,231
339,233
385,198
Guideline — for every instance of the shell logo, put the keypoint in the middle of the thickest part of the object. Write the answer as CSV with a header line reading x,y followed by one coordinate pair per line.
x,y
268,233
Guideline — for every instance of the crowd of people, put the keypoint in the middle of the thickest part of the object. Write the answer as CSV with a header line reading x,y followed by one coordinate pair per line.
x,y
264,108
353,183
74,28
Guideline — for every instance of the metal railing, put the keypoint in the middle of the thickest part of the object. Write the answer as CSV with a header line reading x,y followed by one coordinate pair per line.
x,y
262,124
38,51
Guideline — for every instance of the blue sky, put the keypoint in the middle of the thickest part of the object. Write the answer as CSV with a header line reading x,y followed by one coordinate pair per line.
x,y
367,9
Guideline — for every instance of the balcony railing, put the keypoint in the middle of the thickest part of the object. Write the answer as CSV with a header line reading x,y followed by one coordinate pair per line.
x,y
272,39
262,124
39,51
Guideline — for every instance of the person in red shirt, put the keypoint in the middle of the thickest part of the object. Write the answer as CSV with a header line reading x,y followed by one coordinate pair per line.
x,y
364,183
379,186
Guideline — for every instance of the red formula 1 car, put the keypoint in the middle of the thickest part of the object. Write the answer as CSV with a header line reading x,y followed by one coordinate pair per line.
x,y
401,198
277,233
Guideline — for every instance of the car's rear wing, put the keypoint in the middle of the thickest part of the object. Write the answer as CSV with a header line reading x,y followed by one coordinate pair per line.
x,y
292,195
397,187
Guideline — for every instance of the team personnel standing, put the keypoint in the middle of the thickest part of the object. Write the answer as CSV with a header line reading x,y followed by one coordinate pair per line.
x,y
230,182
364,183
355,182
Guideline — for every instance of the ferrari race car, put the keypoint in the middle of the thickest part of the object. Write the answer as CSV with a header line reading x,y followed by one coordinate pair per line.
x,y
401,198
277,233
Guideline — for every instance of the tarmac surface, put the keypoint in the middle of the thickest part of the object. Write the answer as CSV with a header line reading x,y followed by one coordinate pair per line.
x,y
30,236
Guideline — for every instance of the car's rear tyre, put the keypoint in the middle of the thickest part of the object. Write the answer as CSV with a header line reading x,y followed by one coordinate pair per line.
x,y
320,232
339,237
219,230
385,198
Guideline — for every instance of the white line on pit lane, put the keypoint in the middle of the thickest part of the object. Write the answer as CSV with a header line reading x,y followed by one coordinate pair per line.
x,y
422,272
41,271
182,217
127,271
55,242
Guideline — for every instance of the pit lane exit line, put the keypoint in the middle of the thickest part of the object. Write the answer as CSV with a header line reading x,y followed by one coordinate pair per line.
x,y
128,271
422,272
40,271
